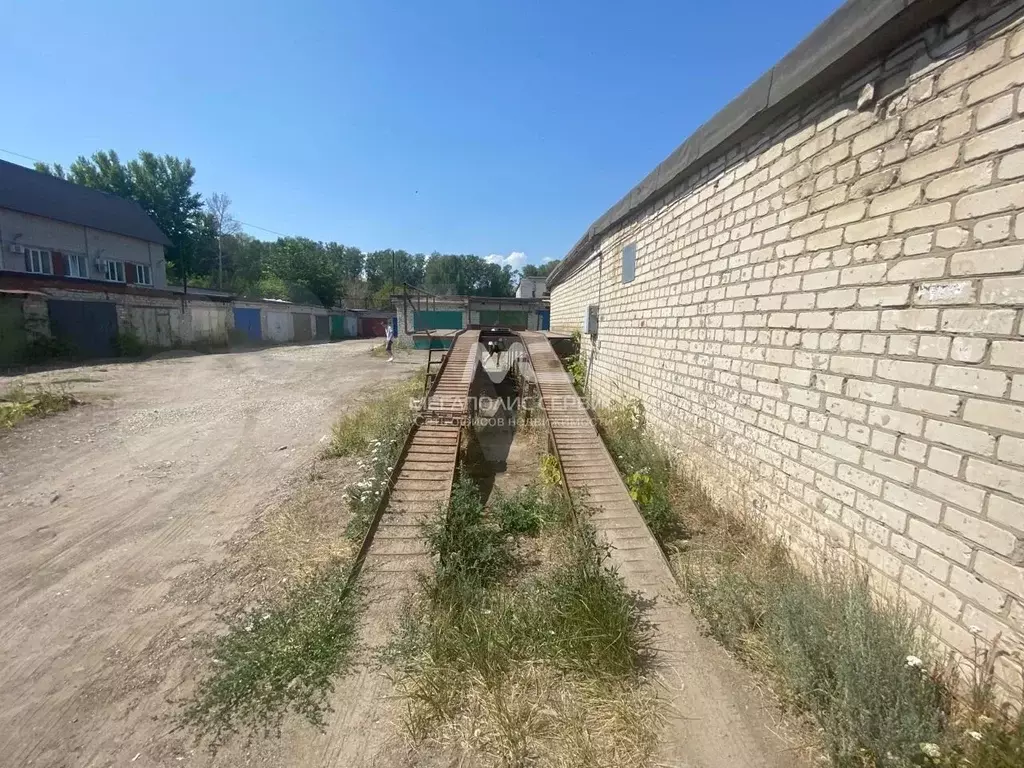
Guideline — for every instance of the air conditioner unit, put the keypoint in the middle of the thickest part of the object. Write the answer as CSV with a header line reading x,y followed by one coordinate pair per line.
x,y
15,248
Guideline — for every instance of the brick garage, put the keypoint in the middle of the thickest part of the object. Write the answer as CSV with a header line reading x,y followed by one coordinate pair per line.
x,y
825,317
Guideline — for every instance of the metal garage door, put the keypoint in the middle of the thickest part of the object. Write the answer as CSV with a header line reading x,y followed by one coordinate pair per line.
x,y
504,318
89,327
13,339
338,327
323,326
303,326
247,320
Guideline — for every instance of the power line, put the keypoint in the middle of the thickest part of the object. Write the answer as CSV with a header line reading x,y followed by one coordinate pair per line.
x,y
243,223
256,226
18,154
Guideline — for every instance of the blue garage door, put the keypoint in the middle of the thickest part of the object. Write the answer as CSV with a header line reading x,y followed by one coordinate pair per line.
x,y
248,322
88,327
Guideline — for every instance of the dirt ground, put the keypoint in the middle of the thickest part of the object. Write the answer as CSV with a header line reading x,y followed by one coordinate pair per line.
x,y
117,520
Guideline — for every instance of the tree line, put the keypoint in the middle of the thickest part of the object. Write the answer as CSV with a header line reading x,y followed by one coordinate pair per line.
x,y
210,250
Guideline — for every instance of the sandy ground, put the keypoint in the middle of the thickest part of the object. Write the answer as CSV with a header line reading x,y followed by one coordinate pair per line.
x,y
115,519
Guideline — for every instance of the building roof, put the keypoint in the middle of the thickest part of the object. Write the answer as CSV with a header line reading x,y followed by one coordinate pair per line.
x,y
28,191
859,31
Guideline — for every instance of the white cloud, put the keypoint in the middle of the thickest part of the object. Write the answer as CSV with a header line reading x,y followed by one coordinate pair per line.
x,y
516,259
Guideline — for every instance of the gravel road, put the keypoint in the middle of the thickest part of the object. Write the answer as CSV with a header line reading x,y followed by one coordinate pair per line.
x,y
105,508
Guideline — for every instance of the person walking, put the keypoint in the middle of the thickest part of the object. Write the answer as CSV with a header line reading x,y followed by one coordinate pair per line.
x,y
389,341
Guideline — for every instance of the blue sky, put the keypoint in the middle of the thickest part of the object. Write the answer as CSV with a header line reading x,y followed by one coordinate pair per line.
x,y
485,127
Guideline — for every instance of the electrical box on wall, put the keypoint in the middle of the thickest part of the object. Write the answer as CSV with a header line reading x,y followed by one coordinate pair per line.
x,y
590,319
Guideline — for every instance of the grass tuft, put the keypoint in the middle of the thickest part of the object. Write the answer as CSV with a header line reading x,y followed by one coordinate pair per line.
x,y
576,364
19,403
276,660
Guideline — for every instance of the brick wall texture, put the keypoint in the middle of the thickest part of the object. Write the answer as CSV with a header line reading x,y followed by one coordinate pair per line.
x,y
827,323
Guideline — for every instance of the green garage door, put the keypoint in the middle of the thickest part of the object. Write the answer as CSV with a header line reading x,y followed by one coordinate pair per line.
x,y
504,319
13,338
436,320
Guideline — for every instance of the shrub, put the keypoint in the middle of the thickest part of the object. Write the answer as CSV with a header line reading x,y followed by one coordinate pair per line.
x,y
836,651
128,344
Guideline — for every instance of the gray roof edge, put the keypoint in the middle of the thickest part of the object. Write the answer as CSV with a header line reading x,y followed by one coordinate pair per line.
x,y
857,32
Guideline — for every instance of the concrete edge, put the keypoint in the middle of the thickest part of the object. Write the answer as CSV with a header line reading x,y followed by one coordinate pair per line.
x,y
855,34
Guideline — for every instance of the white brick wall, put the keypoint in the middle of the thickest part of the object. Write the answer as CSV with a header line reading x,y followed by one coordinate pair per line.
x,y
827,323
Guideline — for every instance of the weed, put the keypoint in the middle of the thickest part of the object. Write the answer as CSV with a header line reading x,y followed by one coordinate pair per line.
x,y
43,347
277,659
527,511
396,348
576,364
377,431
646,468
386,413
19,403
550,471
472,552
128,344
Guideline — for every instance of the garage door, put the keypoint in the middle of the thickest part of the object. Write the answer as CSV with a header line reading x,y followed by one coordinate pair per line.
x,y
303,326
88,327
323,326
247,320
13,339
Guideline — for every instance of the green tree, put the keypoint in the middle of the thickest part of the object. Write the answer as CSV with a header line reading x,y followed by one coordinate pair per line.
x,y
308,269
349,259
531,270
391,266
467,275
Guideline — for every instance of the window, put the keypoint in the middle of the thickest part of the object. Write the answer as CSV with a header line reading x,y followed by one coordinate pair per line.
x,y
38,261
78,265
143,275
629,263
114,271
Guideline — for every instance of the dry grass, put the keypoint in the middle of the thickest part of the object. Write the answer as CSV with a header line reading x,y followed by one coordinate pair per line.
x,y
302,534
540,717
